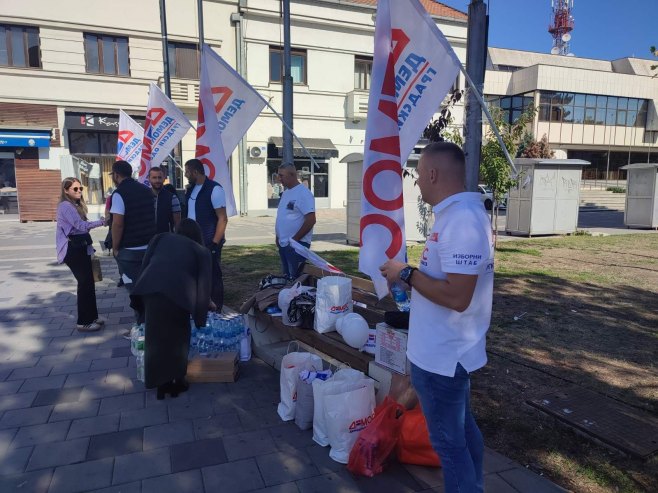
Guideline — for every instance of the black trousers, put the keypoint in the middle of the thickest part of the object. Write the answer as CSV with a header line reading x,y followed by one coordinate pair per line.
x,y
217,287
80,264
166,340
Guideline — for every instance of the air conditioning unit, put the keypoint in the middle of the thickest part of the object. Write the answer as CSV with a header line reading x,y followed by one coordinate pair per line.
x,y
258,151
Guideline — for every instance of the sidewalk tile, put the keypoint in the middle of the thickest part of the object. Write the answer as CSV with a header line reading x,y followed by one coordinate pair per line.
x,y
17,401
255,419
71,367
121,351
87,378
168,434
82,477
100,390
182,482
25,417
249,444
92,354
34,482
234,477
427,477
6,437
115,444
217,426
141,465
14,460
45,433
396,479
188,410
194,455
56,359
493,483
329,483
30,372
57,396
97,425
524,480
282,467
58,454
286,488
320,457
135,487
10,387
142,418
128,402
74,410
288,436
495,462
109,363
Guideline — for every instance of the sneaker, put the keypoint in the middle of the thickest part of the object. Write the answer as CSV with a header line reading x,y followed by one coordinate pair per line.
x,y
92,327
126,335
100,321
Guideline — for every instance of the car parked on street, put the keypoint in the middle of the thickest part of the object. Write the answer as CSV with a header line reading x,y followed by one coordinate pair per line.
x,y
488,199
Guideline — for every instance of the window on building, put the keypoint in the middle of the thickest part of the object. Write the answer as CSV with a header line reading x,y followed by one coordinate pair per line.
x,y
297,65
106,54
362,71
19,46
183,60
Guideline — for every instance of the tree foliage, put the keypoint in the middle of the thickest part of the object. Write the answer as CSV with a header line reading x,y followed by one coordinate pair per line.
x,y
536,149
654,52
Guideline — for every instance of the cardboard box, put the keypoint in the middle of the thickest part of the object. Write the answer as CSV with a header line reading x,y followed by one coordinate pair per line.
x,y
223,368
391,348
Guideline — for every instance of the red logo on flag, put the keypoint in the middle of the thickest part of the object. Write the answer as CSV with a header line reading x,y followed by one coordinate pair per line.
x,y
125,136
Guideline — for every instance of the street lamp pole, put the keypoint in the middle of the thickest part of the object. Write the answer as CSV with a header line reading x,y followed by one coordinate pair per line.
x,y
167,78
287,88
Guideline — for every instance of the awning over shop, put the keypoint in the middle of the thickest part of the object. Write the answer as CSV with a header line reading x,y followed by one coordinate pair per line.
x,y
319,148
25,138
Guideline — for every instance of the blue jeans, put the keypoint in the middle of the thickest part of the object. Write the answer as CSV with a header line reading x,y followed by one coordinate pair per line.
x,y
453,432
292,263
130,264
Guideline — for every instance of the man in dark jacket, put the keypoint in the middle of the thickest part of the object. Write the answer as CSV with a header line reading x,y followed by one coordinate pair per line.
x,y
167,205
206,204
133,223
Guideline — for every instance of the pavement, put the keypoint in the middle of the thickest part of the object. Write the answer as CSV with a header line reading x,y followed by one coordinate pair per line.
x,y
73,417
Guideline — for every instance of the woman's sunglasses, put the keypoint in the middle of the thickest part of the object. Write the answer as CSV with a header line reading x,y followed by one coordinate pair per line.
x,y
75,189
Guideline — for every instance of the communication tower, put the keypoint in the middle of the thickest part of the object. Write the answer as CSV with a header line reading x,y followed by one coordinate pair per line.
x,y
561,26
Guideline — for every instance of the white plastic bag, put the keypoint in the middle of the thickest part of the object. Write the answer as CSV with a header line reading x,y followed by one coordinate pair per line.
x,y
291,365
286,295
344,379
369,347
304,405
334,299
347,414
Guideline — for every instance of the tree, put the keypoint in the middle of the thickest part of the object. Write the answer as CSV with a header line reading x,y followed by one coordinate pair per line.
x,y
654,52
536,149
494,168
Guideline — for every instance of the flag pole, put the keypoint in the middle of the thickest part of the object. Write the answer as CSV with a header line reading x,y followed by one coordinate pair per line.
x,y
480,100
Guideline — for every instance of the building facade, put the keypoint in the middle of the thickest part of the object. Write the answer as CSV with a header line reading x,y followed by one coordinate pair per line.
x,y
604,112
68,67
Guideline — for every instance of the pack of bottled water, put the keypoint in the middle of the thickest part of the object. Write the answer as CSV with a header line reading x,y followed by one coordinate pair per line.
x,y
222,333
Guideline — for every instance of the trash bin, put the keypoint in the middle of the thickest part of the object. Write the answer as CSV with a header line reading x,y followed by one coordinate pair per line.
x,y
546,200
641,195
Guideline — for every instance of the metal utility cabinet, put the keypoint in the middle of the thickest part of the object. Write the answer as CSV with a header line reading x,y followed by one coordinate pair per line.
x,y
641,195
546,200
354,186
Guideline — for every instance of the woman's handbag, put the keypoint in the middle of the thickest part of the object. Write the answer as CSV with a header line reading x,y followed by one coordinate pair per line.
x,y
80,241
96,268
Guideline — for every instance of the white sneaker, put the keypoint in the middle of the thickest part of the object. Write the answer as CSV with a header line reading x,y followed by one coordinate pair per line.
x,y
92,327
100,321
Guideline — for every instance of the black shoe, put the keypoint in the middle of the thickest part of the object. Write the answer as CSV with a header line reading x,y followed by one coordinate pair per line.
x,y
120,283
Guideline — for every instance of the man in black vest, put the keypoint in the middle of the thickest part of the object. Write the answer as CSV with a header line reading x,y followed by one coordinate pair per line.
x,y
206,204
167,205
133,223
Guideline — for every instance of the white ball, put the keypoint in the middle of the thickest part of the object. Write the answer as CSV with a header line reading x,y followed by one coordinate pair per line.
x,y
354,330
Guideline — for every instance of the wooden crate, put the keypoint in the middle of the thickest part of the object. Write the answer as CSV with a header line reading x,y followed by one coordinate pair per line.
x,y
223,368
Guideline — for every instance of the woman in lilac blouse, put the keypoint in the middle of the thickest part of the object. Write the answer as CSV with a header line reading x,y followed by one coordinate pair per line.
x,y
74,249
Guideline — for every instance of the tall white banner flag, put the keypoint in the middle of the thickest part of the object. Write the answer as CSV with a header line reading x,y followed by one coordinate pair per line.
x,y
414,67
165,127
129,144
228,106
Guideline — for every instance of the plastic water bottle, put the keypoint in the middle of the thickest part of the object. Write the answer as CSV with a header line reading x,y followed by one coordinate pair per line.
x,y
400,297
203,344
140,366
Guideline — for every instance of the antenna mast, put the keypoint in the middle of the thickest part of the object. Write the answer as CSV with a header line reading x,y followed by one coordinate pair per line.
x,y
561,26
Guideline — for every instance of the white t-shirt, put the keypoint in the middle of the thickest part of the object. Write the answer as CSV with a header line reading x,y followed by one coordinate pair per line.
x,y
460,243
118,207
94,170
294,204
218,199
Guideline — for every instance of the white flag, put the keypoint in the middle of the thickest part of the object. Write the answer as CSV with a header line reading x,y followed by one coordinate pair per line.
x,y
228,106
129,144
414,67
165,126
314,258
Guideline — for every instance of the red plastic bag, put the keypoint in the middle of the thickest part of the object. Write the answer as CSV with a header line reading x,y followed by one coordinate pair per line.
x,y
377,441
414,445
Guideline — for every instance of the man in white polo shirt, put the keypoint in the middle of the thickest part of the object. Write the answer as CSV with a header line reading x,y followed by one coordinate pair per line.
x,y
295,219
451,303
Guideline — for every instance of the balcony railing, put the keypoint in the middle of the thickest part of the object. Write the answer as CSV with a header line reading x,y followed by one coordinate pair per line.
x,y
184,92
357,105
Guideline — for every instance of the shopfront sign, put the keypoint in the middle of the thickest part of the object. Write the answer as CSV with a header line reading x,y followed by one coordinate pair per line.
x,y
24,138
94,121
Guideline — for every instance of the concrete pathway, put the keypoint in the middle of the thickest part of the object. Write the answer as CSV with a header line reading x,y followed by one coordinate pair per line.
x,y
74,418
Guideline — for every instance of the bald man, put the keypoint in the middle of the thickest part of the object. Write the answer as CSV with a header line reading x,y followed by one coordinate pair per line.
x,y
451,302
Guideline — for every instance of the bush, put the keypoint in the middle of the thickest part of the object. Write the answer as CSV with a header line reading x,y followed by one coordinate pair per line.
x,y
616,189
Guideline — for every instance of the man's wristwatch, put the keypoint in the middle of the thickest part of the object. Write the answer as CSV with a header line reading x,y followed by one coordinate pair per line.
x,y
406,273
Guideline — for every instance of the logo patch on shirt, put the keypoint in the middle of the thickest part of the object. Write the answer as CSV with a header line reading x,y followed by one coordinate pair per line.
x,y
291,205
434,237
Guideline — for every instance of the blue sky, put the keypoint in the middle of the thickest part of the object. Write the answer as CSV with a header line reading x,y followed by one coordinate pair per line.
x,y
604,29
